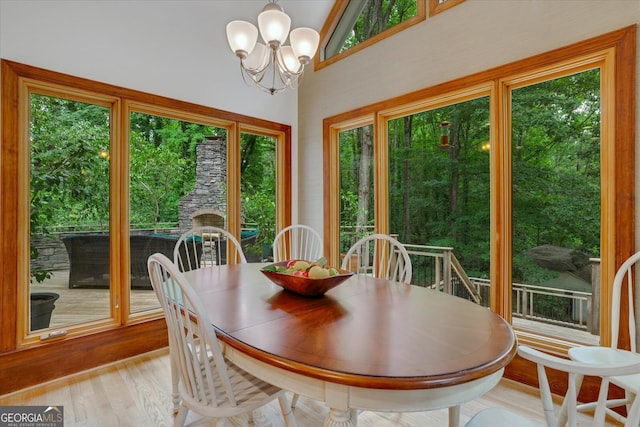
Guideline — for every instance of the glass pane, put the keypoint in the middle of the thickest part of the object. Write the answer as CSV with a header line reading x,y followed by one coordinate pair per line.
x,y
362,20
439,196
178,176
356,185
258,192
556,205
69,212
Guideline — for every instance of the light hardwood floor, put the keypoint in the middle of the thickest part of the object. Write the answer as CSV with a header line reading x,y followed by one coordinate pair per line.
x,y
137,392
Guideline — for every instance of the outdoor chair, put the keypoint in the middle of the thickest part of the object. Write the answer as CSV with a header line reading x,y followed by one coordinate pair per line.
x,y
501,417
297,242
381,256
206,246
601,355
210,385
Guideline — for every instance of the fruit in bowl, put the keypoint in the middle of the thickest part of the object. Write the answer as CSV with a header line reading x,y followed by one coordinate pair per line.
x,y
308,278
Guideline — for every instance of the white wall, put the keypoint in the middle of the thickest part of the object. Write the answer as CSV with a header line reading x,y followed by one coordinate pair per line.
x,y
472,37
172,48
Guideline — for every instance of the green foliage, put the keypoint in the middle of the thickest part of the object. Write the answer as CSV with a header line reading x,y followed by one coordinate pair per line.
x,y
377,16
258,183
442,197
69,156
69,163
70,167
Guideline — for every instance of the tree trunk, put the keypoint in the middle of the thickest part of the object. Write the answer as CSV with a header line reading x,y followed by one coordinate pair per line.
x,y
406,190
364,178
454,152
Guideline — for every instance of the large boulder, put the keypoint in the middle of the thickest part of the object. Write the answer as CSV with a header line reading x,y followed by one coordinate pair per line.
x,y
561,259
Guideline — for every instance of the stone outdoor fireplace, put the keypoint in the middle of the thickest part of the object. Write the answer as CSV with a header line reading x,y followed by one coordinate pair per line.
x,y
207,203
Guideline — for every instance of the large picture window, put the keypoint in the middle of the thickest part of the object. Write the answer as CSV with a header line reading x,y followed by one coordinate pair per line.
x,y
497,180
102,177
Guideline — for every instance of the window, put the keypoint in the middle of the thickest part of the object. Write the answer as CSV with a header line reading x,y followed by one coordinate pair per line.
x,y
362,20
555,193
258,165
437,6
354,25
69,187
445,196
100,176
439,189
356,185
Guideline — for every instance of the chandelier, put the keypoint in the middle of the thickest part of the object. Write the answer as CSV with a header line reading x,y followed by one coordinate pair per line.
x,y
272,66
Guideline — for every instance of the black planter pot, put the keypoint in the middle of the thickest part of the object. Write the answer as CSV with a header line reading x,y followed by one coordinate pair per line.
x,y
42,304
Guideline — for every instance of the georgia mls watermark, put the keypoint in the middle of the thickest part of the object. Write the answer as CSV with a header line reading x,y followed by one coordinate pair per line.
x,y
31,416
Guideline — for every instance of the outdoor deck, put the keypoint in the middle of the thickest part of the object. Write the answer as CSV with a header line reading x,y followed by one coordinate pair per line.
x,y
81,305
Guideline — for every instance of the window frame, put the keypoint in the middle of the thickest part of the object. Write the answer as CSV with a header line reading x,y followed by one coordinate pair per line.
x,y
615,53
120,335
333,20
436,7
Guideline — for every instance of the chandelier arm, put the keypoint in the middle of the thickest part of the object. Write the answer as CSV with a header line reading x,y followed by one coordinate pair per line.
x,y
256,79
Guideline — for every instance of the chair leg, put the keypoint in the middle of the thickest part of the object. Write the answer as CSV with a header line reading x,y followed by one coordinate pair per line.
x,y
563,416
630,397
454,416
181,417
175,379
287,412
294,400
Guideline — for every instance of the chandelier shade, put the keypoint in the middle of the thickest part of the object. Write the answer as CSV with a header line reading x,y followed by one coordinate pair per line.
x,y
274,26
258,59
242,36
272,66
304,42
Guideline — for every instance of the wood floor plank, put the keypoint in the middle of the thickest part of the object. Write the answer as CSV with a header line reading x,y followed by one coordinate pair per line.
x,y
137,393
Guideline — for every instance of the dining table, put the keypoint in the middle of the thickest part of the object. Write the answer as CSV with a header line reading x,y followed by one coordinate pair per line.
x,y
367,344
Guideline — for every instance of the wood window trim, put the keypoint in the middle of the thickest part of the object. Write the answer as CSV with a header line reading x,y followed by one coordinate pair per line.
x,y
436,7
126,336
619,196
339,6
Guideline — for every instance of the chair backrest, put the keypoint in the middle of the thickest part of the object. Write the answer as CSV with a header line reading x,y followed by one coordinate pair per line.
x,y
381,256
574,369
625,271
206,246
193,346
297,242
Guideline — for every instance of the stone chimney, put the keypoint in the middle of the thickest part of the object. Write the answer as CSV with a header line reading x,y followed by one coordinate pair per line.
x,y
209,194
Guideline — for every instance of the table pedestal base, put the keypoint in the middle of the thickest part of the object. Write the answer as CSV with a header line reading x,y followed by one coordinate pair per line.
x,y
341,418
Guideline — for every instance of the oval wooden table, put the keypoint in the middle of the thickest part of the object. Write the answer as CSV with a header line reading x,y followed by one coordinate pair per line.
x,y
367,344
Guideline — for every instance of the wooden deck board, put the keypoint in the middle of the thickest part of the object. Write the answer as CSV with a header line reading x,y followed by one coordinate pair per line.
x,y
82,305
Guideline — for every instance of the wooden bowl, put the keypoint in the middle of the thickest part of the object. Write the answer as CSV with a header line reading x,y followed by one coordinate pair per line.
x,y
303,285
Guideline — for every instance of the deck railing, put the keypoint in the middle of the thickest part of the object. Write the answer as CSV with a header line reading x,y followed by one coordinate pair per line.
x,y
437,267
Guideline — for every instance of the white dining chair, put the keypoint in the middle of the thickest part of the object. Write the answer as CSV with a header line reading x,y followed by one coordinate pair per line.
x,y
206,246
381,256
297,241
501,417
198,247
210,384
601,355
